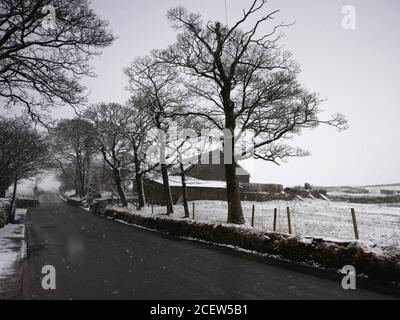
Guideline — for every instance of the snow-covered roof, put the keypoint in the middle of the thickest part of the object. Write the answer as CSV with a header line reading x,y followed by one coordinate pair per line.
x,y
175,181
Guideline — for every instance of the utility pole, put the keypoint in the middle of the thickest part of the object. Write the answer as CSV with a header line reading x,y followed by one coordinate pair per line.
x,y
226,12
14,199
35,193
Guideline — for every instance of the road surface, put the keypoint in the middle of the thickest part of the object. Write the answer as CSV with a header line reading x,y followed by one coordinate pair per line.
x,y
97,258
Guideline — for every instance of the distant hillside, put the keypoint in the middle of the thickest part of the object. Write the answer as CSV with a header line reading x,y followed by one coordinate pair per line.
x,y
383,185
357,187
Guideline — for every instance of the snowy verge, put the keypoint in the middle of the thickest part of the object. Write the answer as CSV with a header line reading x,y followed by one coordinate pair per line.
x,y
12,253
376,262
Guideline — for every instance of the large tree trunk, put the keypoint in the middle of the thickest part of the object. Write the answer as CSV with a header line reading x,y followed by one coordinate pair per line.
x,y
78,177
103,177
140,191
14,201
87,176
167,190
82,186
120,188
78,183
139,181
82,178
235,211
184,191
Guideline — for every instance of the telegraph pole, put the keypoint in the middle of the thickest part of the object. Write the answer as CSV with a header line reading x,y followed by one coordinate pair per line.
x,y
226,12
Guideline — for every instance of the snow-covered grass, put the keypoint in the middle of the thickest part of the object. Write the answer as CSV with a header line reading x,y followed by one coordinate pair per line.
x,y
370,191
376,194
378,224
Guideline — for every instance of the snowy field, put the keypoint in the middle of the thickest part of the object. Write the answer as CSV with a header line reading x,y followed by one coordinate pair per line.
x,y
378,224
373,191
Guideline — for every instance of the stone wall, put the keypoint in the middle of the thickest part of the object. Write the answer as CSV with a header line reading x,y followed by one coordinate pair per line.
x,y
26,203
262,188
266,197
306,193
390,192
249,192
213,172
326,254
154,193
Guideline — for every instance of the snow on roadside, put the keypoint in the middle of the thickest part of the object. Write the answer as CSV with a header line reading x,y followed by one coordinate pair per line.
x,y
12,245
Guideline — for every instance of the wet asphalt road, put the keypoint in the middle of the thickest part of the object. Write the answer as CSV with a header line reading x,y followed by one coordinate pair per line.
x,y
97,258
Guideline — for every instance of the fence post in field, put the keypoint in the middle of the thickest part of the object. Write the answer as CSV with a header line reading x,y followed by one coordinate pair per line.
x,y
253,212
152,207
275,218
353,215
289,220
194,210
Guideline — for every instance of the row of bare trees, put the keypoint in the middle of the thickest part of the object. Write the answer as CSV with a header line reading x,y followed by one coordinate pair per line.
x,y
41,68
24,154
228,78
235,78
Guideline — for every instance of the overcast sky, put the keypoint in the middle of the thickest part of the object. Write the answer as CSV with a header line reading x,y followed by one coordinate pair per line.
x,y
357,71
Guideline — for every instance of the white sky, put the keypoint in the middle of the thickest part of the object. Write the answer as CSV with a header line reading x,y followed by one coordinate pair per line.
x,y
357,71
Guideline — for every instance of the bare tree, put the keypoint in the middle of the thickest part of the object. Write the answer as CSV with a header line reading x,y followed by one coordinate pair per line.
x,y
111,121
24,153
41,67
187,146
8,128
242,80
74,146
158,83
138,134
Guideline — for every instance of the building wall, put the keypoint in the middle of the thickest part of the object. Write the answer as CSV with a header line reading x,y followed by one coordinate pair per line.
x,y
154,193
210,166
213,172
262,188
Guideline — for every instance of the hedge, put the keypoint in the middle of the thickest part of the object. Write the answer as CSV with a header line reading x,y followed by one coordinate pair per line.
x,y
5,207
327,254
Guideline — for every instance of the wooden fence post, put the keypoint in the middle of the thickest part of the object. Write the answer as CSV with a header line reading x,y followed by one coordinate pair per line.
x,y
194,210
353,215
275,218
289,220
253,212
152,207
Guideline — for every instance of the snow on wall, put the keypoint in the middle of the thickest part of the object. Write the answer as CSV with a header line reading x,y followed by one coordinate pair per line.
x,y
175,181
379,224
